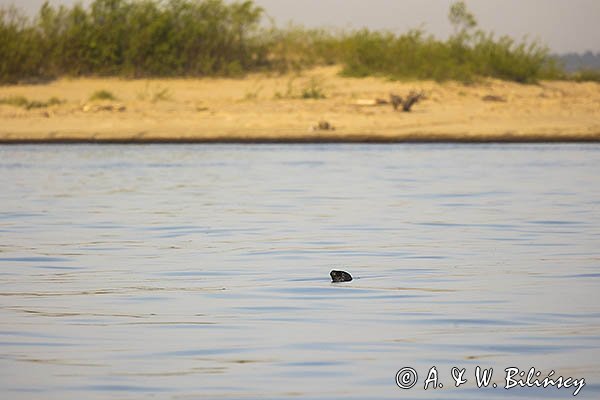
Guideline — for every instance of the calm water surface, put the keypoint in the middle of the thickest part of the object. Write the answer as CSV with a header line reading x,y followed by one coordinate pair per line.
x,y
188,272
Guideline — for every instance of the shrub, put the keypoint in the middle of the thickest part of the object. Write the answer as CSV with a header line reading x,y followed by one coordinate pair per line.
x,y
21,101
465,56
155,93
313,90
102,95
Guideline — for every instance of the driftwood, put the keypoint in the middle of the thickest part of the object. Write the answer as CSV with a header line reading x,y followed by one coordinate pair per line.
x,y
371,102
396,101
412,99
492,97
103,107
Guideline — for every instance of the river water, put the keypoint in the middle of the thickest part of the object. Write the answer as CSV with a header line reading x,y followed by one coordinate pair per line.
x,y
202,271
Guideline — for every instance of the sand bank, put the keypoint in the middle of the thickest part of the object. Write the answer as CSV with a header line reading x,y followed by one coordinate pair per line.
x,y
262,108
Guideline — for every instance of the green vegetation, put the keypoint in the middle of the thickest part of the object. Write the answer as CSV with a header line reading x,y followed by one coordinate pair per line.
x,y
313,90
133,39
100,95
155,93
167,38
294,48
465,56
586,75
21,101
289,92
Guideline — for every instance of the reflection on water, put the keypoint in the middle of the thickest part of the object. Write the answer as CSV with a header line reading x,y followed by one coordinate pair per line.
x,y
203,271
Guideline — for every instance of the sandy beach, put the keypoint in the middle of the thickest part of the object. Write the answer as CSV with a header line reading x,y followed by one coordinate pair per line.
x,y
270,108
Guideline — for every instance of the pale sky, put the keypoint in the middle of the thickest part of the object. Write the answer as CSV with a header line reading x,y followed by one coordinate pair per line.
x,y
563,25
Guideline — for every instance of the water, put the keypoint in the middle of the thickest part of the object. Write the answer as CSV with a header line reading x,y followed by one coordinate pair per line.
x,y
181,272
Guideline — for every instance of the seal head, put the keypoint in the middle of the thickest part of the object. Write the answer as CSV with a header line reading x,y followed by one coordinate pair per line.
x,y
340,276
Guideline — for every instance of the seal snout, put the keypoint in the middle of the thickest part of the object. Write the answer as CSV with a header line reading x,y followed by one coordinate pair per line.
x,y
340,276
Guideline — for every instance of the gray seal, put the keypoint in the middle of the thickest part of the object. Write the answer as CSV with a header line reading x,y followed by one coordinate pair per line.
x,y
340,276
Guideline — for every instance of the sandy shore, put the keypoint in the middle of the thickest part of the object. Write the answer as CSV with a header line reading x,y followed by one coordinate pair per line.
x,y
266,108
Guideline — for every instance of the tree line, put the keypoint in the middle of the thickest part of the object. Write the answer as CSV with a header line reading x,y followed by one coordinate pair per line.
x,y
197,38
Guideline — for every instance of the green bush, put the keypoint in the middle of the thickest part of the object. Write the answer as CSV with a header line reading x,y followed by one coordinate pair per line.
x,y
102,95
132,38
21,101
465,56
313,90
20,47
17,101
